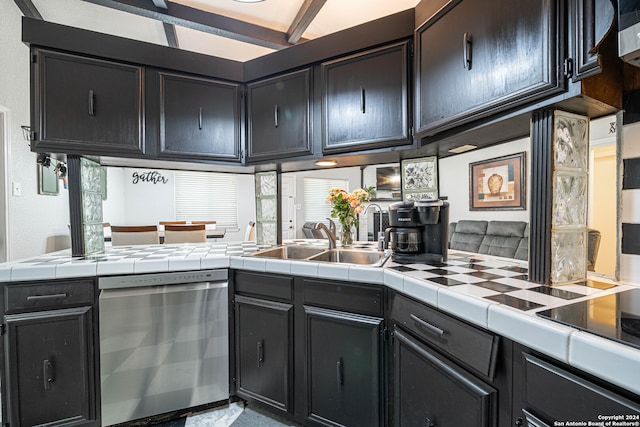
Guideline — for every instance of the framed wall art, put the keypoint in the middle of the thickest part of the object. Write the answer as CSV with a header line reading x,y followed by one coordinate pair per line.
x,y
498,184
420,178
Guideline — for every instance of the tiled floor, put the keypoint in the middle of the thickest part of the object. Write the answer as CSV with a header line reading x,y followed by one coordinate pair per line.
x,y
236,414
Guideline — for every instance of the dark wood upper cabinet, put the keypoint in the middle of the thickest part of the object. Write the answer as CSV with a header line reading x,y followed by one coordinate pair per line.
x,y
474,59
365,100
85,105
589,23
279,116
199,118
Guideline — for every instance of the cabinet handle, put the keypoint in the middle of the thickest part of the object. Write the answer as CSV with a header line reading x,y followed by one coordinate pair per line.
x,y
466,49
47,373
340,374
275,115
428,422
260,352
45,297
428,326
200,118
92,110
362,104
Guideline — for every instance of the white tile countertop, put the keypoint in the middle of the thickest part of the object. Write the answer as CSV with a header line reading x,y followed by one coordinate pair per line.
x,y
490,292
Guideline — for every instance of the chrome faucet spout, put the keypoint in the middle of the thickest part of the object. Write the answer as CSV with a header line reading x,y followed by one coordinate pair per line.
x,y
331,235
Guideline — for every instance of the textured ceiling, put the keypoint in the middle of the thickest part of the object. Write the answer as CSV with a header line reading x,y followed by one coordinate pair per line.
x,y
198,32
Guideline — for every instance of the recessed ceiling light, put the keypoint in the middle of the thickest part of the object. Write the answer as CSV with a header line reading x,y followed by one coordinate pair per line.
x,y
463,148
326,163
248,1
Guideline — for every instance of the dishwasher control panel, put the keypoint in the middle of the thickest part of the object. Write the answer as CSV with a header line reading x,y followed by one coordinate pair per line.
x,y
160,279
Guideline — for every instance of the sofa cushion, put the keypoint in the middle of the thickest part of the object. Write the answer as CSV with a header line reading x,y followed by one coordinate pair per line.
x,y
468,235
523,248
499,245
506,228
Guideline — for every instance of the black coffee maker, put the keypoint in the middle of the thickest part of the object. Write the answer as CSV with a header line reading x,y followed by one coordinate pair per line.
x,y
418,231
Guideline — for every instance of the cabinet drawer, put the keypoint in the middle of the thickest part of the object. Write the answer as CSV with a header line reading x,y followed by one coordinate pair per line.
x,y
363,299
40,295
472,346
545,387
264,285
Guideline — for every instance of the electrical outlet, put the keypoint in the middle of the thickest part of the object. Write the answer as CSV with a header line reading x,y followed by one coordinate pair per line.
x,y
17,189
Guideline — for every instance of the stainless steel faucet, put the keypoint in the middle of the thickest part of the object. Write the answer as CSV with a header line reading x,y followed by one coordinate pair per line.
x,y
331,235
380,234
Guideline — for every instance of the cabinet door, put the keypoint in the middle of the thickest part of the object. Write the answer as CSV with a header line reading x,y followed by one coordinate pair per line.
x,y
365,100
199,118
49,357
278,116
86,106
264,351
343,363
479,58
430,391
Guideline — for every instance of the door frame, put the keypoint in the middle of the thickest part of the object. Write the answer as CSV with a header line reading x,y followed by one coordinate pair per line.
x,y
5,133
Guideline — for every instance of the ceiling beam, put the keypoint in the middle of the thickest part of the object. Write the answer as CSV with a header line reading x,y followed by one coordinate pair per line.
x,y
303,19
170,32
162,4
200,20
28,9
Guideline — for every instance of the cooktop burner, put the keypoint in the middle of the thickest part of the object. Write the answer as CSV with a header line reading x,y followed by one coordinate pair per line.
x,y
615,316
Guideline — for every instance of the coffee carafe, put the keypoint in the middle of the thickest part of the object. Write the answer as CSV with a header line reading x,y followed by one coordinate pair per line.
x,y
418,231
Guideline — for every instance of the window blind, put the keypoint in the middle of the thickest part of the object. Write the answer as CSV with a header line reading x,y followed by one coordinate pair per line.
x,y
206,196
316,190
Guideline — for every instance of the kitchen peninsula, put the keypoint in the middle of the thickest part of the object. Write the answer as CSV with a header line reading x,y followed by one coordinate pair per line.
x,y
481,295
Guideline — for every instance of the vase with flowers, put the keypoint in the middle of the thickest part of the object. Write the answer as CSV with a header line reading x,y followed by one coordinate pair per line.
x,y
346,207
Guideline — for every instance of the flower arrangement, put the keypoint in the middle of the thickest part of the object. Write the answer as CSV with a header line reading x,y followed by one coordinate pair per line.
x,y
346,207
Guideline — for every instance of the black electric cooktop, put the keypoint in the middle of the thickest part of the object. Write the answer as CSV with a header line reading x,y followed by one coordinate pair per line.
x,y
615,316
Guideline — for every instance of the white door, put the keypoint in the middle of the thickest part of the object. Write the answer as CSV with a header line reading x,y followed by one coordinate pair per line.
x,y
288,199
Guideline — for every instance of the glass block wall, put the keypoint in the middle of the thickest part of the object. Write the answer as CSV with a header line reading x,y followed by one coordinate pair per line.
x,y
91,206
267,208
570,153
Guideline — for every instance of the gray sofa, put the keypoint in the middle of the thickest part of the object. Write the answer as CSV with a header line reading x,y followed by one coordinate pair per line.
x,y
509,239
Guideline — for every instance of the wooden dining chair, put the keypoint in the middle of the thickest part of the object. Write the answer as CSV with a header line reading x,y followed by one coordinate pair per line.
x,y
190,233
134,235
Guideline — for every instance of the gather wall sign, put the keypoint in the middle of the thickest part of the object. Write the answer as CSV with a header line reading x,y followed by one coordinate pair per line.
x,y
153,177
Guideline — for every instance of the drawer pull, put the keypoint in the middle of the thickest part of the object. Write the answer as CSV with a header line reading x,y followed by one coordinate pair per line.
x,y
45,297
200,118
362,100
92,101
340,373
47,373
428,326
276,113
466,49
260,347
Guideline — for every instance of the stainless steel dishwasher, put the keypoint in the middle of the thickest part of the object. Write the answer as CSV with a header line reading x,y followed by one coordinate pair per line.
x,y
164,343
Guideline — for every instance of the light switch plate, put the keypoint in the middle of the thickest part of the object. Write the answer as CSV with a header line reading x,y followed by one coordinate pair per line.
x,y
17,189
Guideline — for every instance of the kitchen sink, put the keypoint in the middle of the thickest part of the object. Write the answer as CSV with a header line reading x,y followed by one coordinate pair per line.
x,y
289,252
352,256
371,258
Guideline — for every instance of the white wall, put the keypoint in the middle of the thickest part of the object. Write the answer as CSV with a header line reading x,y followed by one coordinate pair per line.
x,y
33,218
453,175
146,203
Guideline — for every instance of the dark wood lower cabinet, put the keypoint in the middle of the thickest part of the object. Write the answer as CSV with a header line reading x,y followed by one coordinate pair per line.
x,y
547,392
344,378
50,353
264,358
431,391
